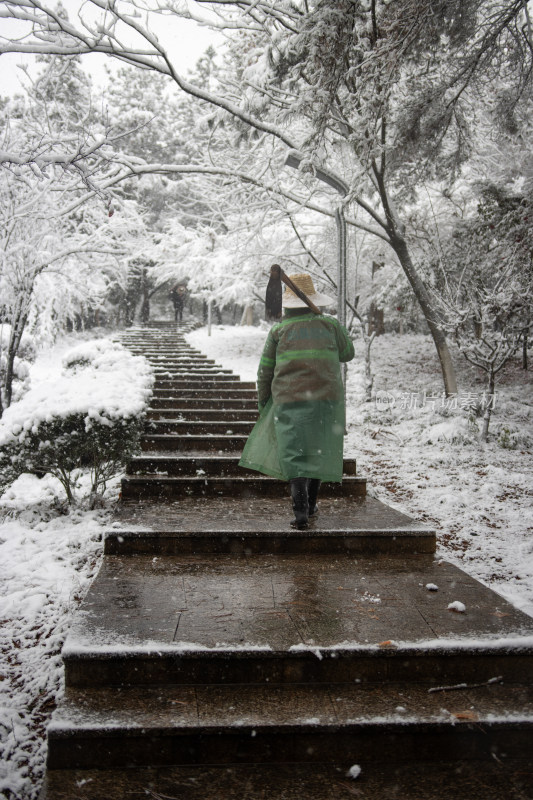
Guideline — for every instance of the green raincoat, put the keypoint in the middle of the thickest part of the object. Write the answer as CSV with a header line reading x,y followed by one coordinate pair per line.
x,y
300,430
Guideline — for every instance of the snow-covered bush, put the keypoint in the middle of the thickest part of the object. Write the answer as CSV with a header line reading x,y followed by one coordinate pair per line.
x,y
511,438
455,430
88,418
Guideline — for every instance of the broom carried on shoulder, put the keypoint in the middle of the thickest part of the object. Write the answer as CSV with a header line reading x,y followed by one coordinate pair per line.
x,y
274,292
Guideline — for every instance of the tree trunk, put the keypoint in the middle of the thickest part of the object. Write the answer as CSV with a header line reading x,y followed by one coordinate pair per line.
x,y
145,305
524,351
247,315
376,320
145,309
369,378
488,408
19,324
424,300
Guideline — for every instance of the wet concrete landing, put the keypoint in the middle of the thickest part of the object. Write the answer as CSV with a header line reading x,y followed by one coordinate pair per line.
x,y
279,603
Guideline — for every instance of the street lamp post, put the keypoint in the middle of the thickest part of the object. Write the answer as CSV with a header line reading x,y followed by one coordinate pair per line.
x,y
294,159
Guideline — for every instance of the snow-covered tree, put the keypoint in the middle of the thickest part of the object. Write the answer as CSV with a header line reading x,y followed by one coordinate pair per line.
x,y
56,251
489,297
51,267
379,94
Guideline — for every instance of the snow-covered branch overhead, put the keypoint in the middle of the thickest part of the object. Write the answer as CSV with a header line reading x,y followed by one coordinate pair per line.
x,y
383,96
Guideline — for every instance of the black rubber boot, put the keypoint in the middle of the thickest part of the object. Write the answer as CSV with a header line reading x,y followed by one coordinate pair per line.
x,y
314,486
300,502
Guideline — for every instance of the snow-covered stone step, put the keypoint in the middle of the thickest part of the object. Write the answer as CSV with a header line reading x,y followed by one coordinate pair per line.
x,y
155,345
155,338
160,358
168,350
194,413
318,540
159,362
164,350
185,465
148,487
195,380
177,374
191,367
230,525
233,443
196,369
177,385
200,465
177,356
143,335
169,401
435,780
196,427
140,336
179,725
164,325
177,342
200,393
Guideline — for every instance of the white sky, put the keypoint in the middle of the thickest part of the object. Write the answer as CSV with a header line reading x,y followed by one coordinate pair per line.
x,y
185,40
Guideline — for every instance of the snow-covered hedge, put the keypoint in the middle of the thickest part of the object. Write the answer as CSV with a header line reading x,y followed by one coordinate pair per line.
x,y
89,417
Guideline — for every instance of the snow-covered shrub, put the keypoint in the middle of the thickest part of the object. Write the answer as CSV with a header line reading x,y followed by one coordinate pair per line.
x,y
511,438
507,438
88,418
455,430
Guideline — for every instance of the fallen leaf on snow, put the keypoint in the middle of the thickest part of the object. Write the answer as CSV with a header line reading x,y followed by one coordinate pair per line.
x,y
468,715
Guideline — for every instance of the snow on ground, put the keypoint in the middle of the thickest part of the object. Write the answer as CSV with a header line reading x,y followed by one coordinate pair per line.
x,y
423,456
46,565
48,558
418,456
232,346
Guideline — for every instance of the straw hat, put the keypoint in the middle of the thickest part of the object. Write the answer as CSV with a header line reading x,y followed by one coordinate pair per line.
x,y
305,283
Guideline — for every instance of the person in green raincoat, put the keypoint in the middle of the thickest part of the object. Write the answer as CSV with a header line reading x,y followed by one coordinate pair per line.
x,y
299,435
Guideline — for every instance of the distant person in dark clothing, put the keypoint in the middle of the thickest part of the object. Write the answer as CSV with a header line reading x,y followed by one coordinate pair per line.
x,y
178,295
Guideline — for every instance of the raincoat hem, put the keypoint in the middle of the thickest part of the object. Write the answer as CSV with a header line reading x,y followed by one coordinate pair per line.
x,y
270,472
274,474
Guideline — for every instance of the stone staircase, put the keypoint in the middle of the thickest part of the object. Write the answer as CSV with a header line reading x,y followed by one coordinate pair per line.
x,y
221,654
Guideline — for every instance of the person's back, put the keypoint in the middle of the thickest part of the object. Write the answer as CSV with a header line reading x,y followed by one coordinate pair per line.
x,y
299,436
309,349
